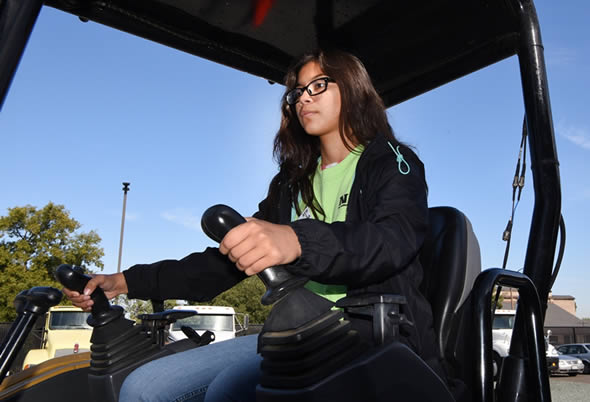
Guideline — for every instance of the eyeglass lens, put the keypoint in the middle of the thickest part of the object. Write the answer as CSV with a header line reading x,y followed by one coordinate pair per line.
x,y
315,87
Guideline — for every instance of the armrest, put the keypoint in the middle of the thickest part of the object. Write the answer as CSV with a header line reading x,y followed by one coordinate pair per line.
x,y
167,316
383,309
156,322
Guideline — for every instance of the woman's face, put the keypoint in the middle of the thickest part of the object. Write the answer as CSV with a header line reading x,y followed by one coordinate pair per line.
x,y
318,115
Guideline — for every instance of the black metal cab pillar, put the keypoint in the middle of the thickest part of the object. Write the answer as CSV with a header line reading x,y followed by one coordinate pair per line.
x,y
542,241
17,18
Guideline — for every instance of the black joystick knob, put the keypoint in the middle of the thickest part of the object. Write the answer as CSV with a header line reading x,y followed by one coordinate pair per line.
x,y
37,300
220,219
74,278
20,301
41,298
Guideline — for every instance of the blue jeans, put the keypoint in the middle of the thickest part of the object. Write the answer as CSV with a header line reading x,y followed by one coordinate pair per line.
x,y
185,377
237,383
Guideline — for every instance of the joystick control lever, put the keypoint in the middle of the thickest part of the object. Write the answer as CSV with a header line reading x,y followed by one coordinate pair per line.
x,y
74,278
220,219
30,304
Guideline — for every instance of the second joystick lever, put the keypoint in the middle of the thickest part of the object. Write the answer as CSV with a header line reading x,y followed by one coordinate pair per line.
x,y
74,278
220,219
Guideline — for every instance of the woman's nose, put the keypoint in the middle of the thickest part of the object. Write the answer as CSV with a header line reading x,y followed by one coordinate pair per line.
x,y
305,97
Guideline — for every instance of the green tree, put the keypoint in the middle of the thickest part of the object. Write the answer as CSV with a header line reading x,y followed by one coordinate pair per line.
x,y
245,298
33,243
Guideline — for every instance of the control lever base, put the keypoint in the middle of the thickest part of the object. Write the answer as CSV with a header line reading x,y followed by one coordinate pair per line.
x,y
104,317
272,295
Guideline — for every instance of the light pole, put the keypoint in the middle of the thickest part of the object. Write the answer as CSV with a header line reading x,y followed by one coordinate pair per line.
x,y
125,190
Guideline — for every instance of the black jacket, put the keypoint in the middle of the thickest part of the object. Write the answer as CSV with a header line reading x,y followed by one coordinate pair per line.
x,y
374,250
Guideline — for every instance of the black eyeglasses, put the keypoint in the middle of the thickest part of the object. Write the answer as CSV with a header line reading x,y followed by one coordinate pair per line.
x,y
316,87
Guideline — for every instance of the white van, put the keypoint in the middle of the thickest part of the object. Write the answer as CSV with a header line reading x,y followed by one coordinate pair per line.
x,y
501,335
222,321
502,331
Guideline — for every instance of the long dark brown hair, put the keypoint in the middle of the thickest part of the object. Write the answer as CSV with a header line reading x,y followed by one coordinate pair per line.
x,y
362,117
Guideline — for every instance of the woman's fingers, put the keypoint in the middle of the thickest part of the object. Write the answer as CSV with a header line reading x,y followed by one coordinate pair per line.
x,y
247,260
112,285
257,244
259,266
79,300
92,284
234,237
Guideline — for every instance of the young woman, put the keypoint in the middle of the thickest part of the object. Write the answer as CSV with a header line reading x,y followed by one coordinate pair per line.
x,y
348,209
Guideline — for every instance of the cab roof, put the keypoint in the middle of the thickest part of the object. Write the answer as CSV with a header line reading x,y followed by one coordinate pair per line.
x,y
408,47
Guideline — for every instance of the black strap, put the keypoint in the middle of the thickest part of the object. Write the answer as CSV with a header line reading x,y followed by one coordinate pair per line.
x,y
517,184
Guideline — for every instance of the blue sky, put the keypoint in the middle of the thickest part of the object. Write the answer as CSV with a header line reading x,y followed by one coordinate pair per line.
x,y
91,107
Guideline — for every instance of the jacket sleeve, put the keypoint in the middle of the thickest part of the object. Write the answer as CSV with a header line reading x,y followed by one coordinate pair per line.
x,y
198,276
382,240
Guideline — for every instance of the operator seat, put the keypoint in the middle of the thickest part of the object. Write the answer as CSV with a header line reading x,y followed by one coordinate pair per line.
x,y
451,262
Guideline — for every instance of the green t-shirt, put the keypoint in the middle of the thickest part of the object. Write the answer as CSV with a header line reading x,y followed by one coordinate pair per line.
x,y
331,187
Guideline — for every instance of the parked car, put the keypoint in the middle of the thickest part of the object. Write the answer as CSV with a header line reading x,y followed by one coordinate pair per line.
x,y
579,350
570,365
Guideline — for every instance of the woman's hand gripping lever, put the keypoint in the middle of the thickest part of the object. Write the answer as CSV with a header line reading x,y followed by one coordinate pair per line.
x,y
220,219
74,278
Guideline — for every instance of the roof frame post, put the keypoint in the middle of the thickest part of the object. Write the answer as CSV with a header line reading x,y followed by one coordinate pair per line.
x,y
544,227
540,254
17,18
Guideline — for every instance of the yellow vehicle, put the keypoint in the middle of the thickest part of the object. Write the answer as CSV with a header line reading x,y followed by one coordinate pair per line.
x,y
65,332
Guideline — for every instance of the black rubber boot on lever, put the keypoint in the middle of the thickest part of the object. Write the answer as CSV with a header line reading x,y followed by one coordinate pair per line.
x,y
108,321
118,345
303,340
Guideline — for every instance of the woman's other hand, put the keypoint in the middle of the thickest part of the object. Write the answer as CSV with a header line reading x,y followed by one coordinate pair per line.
x,y
113,285
256,245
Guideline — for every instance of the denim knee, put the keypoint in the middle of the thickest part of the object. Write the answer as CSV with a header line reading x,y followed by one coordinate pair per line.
x,y
185,376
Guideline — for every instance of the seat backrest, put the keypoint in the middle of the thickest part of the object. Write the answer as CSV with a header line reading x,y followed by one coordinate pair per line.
x,y
451,261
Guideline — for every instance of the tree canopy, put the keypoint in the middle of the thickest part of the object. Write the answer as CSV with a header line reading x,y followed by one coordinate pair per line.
x,y
33,243
245,298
